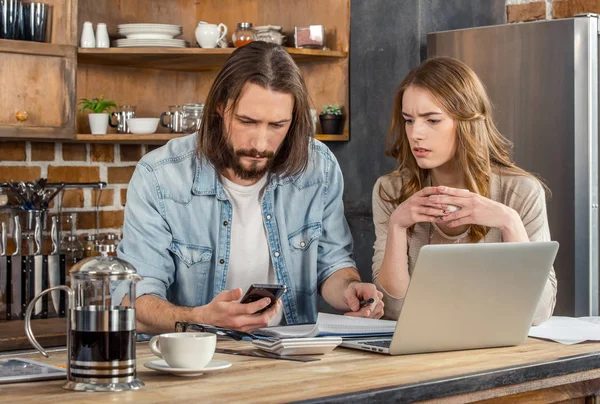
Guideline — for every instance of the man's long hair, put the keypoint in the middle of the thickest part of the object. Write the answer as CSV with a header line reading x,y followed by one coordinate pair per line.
x,y
271,67
481,149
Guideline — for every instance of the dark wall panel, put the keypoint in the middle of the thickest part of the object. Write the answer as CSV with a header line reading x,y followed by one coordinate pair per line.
x,y
388,38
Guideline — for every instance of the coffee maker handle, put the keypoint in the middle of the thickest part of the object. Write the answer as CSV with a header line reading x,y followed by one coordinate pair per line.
x,y
162,120
31,307
110,121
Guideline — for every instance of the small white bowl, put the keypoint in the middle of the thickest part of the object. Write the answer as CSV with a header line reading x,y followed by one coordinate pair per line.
x,y
142,126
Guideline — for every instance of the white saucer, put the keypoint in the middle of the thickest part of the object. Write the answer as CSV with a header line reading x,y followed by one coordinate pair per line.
x,y
162,366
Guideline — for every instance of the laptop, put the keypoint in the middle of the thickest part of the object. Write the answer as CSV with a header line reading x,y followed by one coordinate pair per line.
x,y
467,296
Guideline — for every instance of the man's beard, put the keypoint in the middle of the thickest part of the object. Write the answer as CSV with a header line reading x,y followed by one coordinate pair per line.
x,y
255,171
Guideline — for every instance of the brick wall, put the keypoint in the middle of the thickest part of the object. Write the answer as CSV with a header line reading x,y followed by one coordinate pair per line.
x,y
77,162
532,10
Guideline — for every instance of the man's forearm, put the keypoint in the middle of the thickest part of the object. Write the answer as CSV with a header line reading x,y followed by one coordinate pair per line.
x,y
155,315
334,287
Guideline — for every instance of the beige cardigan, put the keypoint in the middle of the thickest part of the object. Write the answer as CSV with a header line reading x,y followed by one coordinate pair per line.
x,y
523,194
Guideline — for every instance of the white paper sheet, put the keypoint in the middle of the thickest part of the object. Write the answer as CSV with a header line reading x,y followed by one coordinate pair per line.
x,y
568,330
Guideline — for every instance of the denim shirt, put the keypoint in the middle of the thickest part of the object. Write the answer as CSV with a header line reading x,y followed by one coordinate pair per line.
x,y
177,228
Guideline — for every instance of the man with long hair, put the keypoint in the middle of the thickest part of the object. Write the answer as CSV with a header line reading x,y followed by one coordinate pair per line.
x,y
251,198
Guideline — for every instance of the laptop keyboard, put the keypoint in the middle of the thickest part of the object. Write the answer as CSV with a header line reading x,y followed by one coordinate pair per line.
x,y
384,343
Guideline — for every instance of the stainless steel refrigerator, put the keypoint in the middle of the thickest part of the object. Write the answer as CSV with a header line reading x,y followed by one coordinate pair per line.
x,y
543,80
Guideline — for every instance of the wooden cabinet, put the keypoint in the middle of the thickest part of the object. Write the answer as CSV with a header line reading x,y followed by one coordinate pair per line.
x,y
38,90
47,79
37,81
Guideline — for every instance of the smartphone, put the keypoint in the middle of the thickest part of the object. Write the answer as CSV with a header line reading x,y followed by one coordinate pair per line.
x,y
258,291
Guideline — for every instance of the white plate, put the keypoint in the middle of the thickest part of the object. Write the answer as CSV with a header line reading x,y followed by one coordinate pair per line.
x,y
162,26
150,30
178,41
148,35
162,366
170,43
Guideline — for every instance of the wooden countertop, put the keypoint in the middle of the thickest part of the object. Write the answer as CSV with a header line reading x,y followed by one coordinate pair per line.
x,y
49,332
559,371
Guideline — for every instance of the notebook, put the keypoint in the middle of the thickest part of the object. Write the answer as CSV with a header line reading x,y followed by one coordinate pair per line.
x,y
332,325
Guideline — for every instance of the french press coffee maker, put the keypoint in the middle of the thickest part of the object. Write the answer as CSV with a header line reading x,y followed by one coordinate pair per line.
x,y
101,333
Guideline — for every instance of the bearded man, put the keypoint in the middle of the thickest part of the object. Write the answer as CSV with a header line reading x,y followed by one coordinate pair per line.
x,y
251,198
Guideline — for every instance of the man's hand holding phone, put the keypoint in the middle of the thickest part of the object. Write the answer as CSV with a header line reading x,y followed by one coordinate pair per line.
x,y
225,311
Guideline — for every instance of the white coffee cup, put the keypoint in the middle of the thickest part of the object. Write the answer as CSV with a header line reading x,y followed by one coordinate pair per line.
x,y
189,350
209,35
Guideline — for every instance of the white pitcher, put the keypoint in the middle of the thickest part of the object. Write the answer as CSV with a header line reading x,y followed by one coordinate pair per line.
x,y
209,35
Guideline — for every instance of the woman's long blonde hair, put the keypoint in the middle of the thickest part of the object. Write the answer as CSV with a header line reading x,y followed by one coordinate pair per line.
x,y
480,146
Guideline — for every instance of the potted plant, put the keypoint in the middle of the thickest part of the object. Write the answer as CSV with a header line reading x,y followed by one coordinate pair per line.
x,y
99,108
332,119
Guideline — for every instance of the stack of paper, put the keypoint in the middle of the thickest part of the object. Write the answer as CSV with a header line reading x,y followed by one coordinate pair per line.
x,y
333,325
568,330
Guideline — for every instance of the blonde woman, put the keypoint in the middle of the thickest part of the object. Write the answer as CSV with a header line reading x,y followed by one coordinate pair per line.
x,y
455,181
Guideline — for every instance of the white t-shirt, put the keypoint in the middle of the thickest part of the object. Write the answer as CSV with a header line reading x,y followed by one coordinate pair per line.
x,y
249,258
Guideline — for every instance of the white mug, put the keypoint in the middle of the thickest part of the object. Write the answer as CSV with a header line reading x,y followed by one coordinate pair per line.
x,y
209,35
189,350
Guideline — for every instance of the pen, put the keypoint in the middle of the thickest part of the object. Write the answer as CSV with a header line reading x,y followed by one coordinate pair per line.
x,y
364,303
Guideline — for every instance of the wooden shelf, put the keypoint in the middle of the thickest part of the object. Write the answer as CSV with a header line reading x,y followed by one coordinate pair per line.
x,y
155,138
162,138
36,48
184,59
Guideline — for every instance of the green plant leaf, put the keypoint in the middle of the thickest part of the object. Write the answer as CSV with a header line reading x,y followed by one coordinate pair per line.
x,y
331,109
97,105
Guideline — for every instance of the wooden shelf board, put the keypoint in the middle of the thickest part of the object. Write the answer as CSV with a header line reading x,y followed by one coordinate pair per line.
x,y
184,59
155,138
162,138
36,48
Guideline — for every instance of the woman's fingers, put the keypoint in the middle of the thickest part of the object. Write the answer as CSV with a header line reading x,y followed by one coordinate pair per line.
x,y
436,212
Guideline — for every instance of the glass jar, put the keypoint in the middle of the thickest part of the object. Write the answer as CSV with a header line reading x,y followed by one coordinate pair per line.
x,y
244,34
192,117
73,250
113,241
89,246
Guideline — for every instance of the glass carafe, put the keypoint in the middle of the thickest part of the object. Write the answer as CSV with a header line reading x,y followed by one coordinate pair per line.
x,y
101,331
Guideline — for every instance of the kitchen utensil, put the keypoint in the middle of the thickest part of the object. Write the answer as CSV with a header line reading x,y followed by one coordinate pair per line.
x,y
54,266
11,23
36,22
101,333
163,366
143,126
208,35
16,273
243,35
4,286
102,38
46,200
175,115
88,39
158,43
125,112
192,117
38,264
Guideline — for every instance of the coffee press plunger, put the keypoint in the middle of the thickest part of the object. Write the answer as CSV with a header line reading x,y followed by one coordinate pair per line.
x,y
100,332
